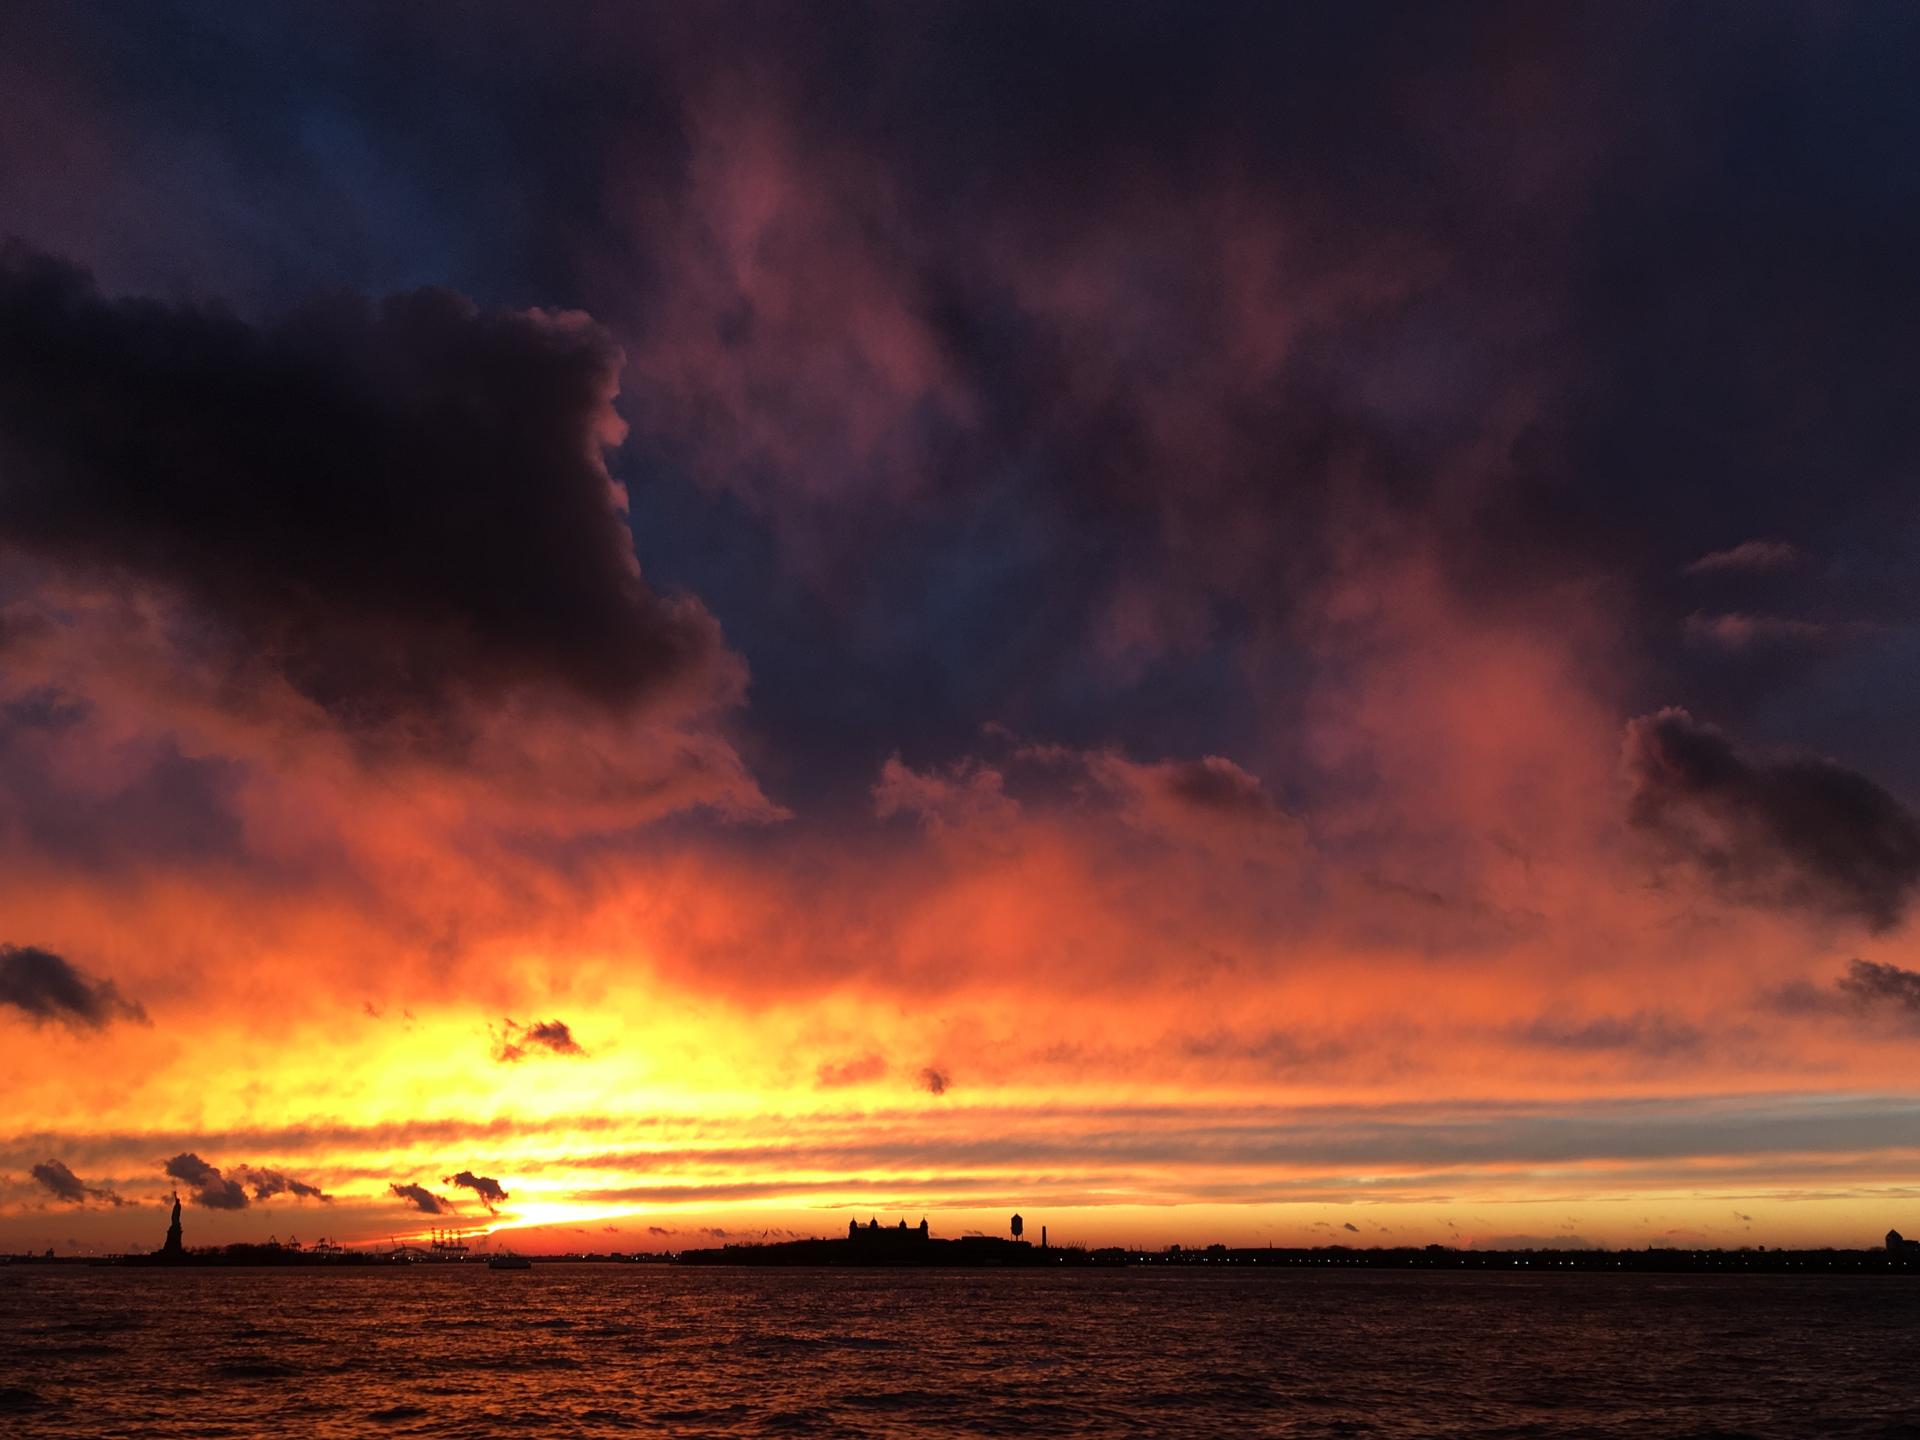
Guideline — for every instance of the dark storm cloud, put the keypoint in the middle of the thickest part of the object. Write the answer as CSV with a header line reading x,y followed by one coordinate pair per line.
x,y
404,502
1876,984
206,1185
1795,831
422,1199
61,1181
517,1042
552,1035
935,1081
218,1190
1872,991
488,1189
268,1183
64,1185
1222,787
44,986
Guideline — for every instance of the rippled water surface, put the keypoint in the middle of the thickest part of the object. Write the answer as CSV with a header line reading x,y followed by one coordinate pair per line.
x,y
616,1350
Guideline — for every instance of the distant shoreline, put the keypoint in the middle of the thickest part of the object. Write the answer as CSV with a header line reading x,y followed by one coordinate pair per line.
x,y
957,1255
1015,1255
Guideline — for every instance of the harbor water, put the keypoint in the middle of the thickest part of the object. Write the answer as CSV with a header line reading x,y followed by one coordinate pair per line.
x,y
605,1350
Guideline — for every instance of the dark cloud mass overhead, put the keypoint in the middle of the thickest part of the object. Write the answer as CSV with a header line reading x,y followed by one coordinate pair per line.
x,y
404,502
1148,325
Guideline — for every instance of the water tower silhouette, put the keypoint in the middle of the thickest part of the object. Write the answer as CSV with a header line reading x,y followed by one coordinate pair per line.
x,y
1018,1226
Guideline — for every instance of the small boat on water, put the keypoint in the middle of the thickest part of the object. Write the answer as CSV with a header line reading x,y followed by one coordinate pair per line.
x,y
509,1261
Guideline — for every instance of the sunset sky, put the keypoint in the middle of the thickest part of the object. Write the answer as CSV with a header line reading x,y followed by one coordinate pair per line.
x,y
634,624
